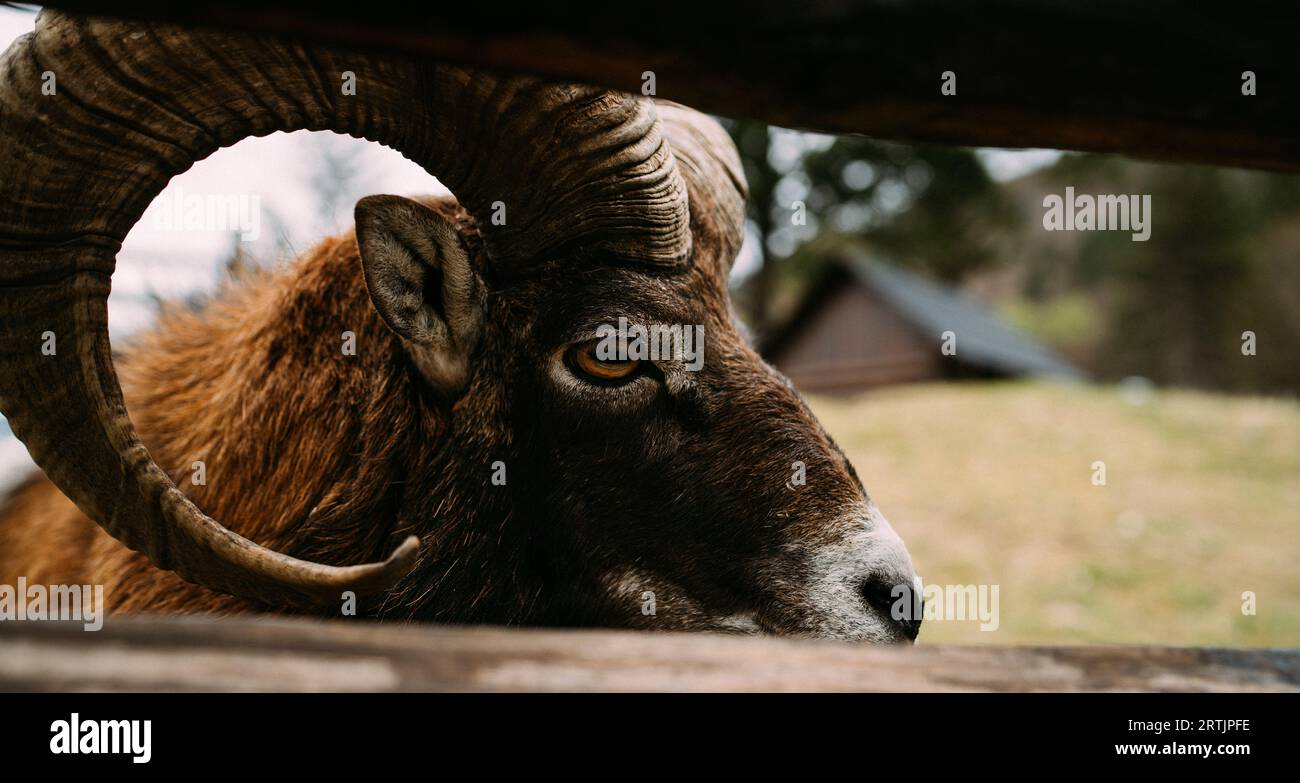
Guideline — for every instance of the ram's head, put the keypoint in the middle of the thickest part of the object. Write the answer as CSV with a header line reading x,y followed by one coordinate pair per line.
x,y
569,317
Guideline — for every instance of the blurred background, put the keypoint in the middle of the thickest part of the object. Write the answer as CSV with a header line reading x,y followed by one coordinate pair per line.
x,y
1071,349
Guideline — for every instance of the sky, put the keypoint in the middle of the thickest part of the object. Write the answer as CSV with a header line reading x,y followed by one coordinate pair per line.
x,y
284,182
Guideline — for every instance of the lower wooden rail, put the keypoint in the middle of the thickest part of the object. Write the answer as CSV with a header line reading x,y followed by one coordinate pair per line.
x,y
209,654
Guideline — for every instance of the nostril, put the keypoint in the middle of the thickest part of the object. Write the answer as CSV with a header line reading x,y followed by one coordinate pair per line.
x,y
879,594
897,602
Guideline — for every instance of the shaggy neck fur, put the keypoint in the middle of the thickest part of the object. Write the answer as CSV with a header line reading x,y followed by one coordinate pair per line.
x,y
307,448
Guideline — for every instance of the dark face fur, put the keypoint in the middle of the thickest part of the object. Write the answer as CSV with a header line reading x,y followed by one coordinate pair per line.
x,y
667,499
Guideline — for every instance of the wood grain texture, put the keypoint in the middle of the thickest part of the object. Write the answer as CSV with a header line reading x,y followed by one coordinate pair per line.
x,y
1159,79
204,654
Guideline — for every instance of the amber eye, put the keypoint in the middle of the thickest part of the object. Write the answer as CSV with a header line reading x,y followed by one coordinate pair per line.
x,y
584,361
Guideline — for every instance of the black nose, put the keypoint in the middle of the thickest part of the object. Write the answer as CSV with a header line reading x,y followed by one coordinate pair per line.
x,y
898,604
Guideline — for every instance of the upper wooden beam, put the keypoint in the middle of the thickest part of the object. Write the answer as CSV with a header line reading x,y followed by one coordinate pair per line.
x,y
196,654
1159,79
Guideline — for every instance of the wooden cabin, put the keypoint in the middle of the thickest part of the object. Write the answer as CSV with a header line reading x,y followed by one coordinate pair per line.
x,y
864,324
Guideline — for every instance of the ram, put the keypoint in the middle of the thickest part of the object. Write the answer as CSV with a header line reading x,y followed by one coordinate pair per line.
x,y
426,386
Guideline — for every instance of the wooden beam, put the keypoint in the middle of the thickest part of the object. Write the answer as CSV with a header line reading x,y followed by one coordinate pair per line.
x,y
1159,79
203,654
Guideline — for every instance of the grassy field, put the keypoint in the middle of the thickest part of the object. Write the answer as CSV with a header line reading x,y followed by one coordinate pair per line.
x,y
993,484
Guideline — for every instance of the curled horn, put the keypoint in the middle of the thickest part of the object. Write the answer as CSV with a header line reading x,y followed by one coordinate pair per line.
x,y
711,167
577,168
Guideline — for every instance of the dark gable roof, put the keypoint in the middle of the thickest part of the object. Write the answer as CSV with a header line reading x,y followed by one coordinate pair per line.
x,y
983,339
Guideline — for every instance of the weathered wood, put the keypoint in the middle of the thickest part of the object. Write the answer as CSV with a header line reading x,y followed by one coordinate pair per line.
x,y
147,654
1159,79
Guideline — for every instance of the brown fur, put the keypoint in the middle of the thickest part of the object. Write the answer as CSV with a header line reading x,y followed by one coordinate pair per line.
x,y
254,385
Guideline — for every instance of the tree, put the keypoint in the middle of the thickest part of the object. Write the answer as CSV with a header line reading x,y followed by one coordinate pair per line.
x,y
932,208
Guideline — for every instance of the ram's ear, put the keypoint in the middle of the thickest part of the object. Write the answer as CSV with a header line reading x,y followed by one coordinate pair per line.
x,y
419,276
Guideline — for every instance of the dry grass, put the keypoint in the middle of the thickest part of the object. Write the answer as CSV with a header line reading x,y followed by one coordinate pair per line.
x,y
992,483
